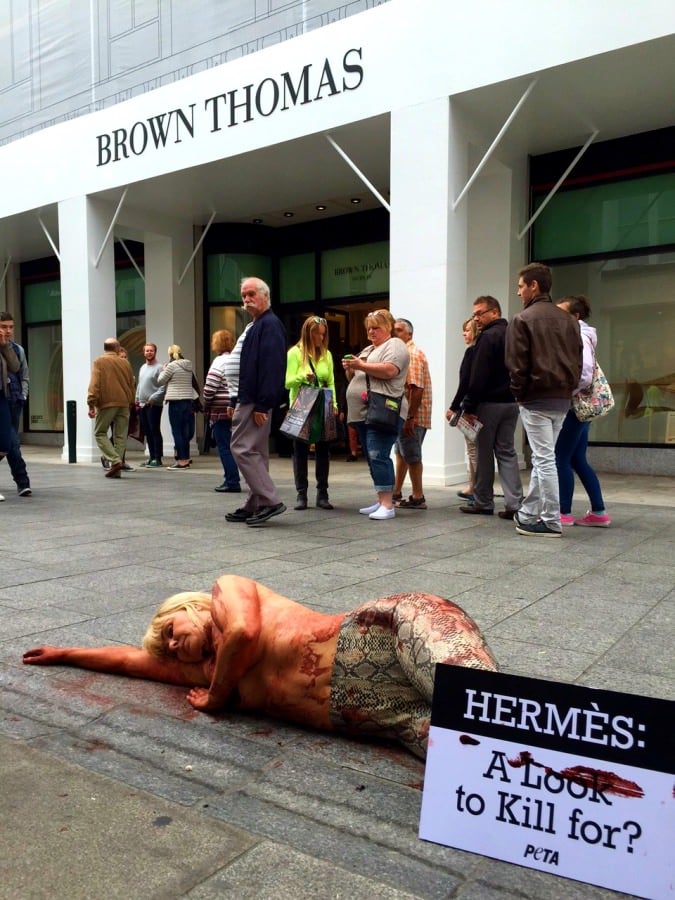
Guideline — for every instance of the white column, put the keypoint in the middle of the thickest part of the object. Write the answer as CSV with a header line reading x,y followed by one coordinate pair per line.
x,y
170,307
428,260
87,306
492,247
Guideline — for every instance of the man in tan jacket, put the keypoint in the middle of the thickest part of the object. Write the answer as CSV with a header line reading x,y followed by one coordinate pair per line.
x,y
110,394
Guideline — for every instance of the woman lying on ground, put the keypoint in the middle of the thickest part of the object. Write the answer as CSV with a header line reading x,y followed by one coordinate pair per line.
x,y
369,671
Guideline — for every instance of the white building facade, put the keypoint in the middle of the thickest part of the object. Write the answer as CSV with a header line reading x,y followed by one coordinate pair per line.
x,y
413,155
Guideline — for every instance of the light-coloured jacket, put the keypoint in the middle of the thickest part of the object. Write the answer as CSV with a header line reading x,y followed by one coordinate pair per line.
x,y
177,377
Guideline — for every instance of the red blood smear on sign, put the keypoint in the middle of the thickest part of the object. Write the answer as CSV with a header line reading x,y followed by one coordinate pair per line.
x,y
596,779
604,782
467,739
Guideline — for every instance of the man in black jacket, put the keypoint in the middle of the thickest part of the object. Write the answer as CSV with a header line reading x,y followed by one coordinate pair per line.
x,y
489,399
543,356
255,373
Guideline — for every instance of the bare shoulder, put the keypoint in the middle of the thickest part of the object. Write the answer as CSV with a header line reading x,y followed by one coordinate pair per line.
x,y
231,595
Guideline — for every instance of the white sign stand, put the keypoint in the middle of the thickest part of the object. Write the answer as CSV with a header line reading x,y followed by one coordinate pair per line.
x,y
568,780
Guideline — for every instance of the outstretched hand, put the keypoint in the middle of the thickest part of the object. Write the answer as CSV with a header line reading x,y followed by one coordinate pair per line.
x,y
43,656
199,698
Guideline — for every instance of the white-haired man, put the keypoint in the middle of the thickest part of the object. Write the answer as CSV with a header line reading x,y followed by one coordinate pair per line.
x,y
255,373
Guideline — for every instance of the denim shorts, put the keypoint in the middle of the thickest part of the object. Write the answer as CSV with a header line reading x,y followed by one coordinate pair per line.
x,y
410,448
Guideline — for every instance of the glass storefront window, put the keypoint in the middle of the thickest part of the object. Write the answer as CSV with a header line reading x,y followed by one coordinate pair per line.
x,y
131,335
607,218
129,291
634,314
297,279
42,317
224,272
42,302
355,271
45,400
233,318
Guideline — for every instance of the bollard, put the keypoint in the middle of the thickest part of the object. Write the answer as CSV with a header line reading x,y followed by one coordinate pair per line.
x,y
71,423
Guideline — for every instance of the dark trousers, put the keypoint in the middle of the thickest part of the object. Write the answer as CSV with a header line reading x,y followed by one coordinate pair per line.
x,y
300,457
151,417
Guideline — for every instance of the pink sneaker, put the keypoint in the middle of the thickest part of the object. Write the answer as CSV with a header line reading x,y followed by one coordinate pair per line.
x,y
594,520
566,519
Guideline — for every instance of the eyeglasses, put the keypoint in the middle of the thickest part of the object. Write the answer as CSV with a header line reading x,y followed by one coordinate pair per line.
x,y
317,320
480,312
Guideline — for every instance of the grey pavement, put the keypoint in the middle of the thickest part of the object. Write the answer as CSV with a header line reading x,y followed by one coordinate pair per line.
x,y
115,788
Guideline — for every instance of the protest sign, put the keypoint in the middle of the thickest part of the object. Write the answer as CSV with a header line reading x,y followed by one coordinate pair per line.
x,y
561,778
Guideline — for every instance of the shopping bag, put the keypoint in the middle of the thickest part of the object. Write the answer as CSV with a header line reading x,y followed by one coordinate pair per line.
x,y
135,429
297,422
330,424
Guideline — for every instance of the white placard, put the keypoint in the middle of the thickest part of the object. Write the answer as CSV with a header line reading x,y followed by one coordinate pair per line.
x,y
568,780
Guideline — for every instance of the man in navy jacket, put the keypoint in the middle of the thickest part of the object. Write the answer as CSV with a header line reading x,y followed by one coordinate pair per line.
x,y
255,372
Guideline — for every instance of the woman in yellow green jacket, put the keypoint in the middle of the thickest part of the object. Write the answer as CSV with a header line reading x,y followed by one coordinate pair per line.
x,y
310,362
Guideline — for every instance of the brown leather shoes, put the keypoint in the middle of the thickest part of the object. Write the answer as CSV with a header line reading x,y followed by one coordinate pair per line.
x,y
115,471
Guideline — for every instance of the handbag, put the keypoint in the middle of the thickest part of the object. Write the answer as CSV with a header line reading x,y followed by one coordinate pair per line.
x,y
383,412
596,400
297,422
207,440
196,402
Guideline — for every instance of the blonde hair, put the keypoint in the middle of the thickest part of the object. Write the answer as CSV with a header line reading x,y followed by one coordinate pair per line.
x,y
380,317
222,341
306,345
473,328
175,352
189,602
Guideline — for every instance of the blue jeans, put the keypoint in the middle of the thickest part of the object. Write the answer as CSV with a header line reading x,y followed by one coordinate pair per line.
x,y
182,421
570,457
377,446
222,432
15,412
543,498
9,415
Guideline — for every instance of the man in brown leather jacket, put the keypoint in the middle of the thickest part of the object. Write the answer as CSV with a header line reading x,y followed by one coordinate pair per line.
x,y
543,356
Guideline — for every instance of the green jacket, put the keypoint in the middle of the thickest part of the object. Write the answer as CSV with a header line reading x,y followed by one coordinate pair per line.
x,y
296,373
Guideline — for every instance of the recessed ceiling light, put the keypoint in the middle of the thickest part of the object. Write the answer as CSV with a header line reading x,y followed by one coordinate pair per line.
x,y
320,207
257,221
288,215
355,200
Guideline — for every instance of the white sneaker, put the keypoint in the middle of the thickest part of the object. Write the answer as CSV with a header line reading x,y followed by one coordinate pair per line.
x,y
367,510
1,498
382,513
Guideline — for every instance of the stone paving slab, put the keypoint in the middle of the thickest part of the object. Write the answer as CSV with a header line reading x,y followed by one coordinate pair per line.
x,y
67,832
271,810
